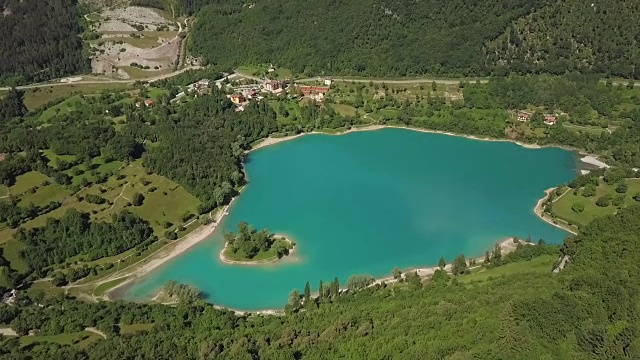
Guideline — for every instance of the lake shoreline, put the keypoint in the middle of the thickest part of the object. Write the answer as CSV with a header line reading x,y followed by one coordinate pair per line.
x,y
159,258
270,261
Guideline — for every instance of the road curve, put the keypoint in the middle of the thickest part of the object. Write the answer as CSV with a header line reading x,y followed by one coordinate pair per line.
x,y
84,82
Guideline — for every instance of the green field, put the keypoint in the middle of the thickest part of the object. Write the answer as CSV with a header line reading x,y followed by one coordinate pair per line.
x,y
54,158
137,73
541,264
44,195
4,191
145,42
345,110
563,206
11,251
66,106
102,288
28,181
36,97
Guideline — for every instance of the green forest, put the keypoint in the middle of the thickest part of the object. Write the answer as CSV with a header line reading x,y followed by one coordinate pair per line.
x,y
41,41
587,311
458,38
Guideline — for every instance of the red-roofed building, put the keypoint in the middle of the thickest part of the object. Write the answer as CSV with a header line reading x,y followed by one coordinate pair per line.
x,y
148,102
314,90
273,85
237,98
550,120
523,117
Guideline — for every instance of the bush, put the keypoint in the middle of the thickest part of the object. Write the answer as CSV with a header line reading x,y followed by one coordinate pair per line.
x,y
578,207
357,282
622,187
618,200
603,201
170,235
589,191
137,199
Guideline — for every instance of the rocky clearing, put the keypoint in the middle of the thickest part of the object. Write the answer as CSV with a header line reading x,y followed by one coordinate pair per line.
x,y
134,37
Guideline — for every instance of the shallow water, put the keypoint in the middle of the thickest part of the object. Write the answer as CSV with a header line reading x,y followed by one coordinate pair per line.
x,y
366,202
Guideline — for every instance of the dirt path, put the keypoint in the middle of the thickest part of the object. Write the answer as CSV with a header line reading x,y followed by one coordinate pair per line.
x,y
120,196
96,331
8,332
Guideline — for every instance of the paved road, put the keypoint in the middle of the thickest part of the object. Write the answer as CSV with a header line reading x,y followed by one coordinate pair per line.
x,y
84,82
407,81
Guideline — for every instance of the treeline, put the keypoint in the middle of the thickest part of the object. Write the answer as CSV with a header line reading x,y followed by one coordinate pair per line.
x,y
428,37
355,38
566,35
75,234
41,41
589,310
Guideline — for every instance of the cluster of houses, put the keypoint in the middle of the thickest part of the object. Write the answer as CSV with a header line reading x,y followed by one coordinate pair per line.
x,y
548,119
199,88
145,103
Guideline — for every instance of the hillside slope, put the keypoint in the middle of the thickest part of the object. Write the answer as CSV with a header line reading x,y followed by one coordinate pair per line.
x,y
602,36
356,37
384,38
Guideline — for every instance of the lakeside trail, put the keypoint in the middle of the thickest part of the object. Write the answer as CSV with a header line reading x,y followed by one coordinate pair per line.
x,y
272,141
163,255
269,261
539,210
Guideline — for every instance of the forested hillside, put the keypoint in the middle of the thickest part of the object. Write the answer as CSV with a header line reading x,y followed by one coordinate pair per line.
x,y
587,311
600,35
428,37
356,37
40,40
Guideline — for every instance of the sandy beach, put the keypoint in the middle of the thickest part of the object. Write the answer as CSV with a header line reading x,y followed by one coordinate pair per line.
x,y
539,210
166,253
272,141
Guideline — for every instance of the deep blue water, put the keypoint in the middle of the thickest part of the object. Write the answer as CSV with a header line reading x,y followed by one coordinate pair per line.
x,y
366,202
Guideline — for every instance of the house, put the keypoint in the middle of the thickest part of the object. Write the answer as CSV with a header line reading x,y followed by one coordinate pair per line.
x,y
314,91
237,99
273,85
148,102
328,82
550,120
523,117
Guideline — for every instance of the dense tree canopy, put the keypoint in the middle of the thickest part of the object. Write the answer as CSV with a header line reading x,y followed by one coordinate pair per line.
x,y
427,37
41,40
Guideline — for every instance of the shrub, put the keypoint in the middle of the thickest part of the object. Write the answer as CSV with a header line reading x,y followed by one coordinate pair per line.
x,y
578,207
618,200
603,201
622,187
589,191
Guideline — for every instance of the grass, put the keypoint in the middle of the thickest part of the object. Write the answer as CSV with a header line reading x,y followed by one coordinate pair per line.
x,y
563,206
134,328
345,110
585,128
101,289
66,106
11,251
28,181
137,73
55,158
62,339
541,264
4,191
145,42
36,97
45,287
44,195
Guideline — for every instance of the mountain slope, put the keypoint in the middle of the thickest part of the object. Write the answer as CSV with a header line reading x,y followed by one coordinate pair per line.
x,y
599,36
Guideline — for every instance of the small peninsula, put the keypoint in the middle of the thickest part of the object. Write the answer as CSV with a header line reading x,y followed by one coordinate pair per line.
x,y
250,246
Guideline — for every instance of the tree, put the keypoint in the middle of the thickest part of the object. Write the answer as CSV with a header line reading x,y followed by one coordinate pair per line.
x,y
442,263
307,292
320,291
496,255
294,301
589,190
396,273
622,187
357,282
137,199
459,266
603,201
578,207
434,86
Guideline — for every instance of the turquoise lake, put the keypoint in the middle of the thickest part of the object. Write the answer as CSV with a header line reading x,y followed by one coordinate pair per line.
x,y
366,202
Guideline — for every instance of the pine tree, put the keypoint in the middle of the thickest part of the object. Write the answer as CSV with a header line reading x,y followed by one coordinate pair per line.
x,y
307,292
442,263
320,291
294,300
